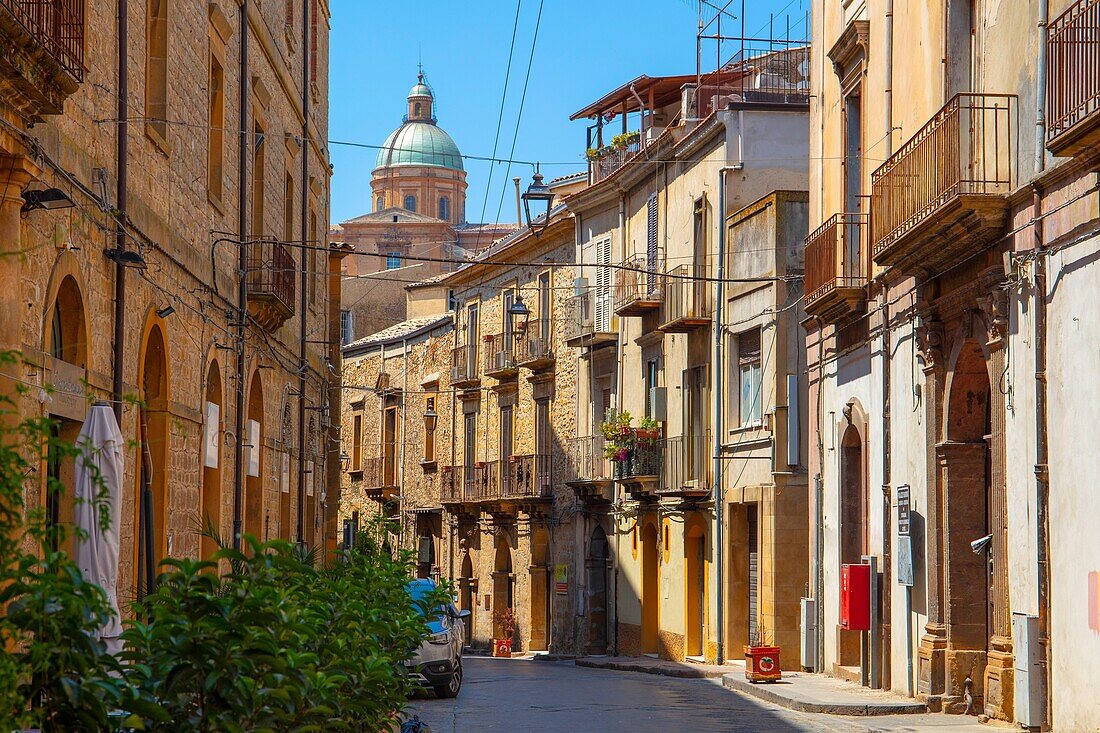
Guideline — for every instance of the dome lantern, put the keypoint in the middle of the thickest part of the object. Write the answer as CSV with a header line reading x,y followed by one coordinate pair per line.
x,y
421,101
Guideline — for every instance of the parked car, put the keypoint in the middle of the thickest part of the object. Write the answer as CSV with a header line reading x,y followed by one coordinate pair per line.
x,y
437,664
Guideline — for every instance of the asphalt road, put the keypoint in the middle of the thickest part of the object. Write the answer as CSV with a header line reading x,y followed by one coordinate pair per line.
x,y
523,695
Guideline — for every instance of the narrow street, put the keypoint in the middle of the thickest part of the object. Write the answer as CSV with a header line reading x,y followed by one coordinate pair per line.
x,y
523,695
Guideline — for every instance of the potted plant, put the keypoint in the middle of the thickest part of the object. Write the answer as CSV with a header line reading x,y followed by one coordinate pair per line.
x,y
618,439
761,658
504,625
648,432
625,140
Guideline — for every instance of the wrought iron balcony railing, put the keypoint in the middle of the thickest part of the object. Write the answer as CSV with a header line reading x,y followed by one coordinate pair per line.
x,y
688,465
463,366
527,477
535,352
945,189
612,160
1073,79
687,299
836,265
638,286
499,356
57,25
588,320
587,462
270,282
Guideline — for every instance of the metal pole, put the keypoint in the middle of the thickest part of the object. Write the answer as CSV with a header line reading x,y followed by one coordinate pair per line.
x,y
303,361
122,164
719,406
242,284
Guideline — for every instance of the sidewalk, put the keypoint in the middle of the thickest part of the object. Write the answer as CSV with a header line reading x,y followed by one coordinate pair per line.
x,y
814,693
650,665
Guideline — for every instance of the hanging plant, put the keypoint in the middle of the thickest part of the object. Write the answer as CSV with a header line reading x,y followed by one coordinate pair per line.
x,y
618,435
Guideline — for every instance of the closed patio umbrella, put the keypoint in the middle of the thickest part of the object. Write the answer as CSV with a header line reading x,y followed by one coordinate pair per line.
x,y
96,553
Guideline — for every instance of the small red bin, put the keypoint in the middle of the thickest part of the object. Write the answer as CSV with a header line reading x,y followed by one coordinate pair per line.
x,y
762,664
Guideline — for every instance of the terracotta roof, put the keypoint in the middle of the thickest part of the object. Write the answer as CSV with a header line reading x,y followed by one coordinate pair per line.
x,y
433,280
403,330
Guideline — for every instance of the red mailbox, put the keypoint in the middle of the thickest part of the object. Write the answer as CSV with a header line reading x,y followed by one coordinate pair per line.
x,y
855,597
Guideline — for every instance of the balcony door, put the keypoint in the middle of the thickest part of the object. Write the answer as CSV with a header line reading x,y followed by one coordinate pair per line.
x,y
853,182
472,328
469,448
389,447
509,320
696,420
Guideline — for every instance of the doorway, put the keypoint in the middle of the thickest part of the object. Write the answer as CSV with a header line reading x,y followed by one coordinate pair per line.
x,y
596,572
467,594
211,502
503,584
540,590
650,594
695,550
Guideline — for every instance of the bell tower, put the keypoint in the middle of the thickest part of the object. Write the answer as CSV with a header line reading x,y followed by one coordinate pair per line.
x,y
421,101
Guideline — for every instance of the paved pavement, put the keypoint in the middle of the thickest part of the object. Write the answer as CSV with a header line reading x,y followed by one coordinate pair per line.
x,y
524,695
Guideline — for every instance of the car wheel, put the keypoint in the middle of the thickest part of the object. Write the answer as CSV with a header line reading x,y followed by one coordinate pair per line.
x,y
454,684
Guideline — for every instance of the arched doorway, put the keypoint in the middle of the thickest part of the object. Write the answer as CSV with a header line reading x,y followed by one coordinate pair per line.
x,y
467,593
211,500
540,590
67,342
650,595
853,530
503,582
695,596
283,468
254,519
152,489
969,578
596,580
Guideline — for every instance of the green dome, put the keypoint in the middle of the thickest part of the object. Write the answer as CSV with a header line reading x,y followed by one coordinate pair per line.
x,y
420,90
419,143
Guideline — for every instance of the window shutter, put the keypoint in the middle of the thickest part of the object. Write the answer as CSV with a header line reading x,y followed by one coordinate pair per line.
x,y
651,244
603,286
748,347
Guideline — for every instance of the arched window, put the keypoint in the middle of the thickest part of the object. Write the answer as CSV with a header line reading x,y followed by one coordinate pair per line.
x,y
444,208
67,330
410,203
416,110
380,204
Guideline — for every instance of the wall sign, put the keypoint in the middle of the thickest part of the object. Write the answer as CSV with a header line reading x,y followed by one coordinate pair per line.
x,y
561,579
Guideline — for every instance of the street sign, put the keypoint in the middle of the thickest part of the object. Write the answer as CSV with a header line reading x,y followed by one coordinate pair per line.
x,y
905,560
561,579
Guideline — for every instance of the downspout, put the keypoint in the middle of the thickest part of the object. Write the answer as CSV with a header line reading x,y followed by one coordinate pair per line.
x,y
719,407
619,402
242,283
887,501
819,505
117,384
399,469
303,360
1042,470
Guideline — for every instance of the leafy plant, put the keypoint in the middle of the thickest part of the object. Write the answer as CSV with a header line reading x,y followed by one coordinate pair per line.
x,y
625,140
618,435
504,622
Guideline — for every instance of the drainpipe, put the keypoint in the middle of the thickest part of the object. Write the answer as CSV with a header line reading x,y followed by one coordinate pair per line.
x,y
819,507
887,535
719,407
242,284
1042,470
119,336
303,361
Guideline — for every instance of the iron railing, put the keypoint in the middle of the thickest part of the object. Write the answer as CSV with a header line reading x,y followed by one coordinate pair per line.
x,y
58,25
1073,67
463,364
534,348
835,256
451,485
638,282
967,148
645,459
612,160
483,481
582,320
271,271
527,476
587,461
378,472
688,463
687,294
498,354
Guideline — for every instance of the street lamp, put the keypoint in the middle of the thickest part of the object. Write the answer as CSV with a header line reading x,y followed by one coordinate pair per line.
x,y
345,461
431,417
538,198
518,309
47,198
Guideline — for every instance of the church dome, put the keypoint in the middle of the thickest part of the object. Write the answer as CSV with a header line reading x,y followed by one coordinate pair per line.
x,y
419,142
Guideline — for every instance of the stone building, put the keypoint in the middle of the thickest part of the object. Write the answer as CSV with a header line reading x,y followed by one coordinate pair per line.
x,y
418,227
705,537
953,169
143,213
458,426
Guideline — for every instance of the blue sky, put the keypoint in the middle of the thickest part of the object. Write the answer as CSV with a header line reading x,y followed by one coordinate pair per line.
x,y
583,51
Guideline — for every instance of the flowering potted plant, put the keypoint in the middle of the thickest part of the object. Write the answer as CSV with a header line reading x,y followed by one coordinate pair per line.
x,y
625,140
504,625
648,432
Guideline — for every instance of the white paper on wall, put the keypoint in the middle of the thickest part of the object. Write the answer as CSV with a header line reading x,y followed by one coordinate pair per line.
x,y
253,461
210,435
284,474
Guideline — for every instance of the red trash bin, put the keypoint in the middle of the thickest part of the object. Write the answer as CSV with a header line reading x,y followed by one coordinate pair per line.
x,y
762,664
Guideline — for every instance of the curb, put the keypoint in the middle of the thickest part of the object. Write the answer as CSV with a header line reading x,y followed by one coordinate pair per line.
x,y
685,673
762,692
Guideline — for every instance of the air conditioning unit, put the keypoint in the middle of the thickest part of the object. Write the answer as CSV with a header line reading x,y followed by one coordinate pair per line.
x,y
658,403
808,631
502,360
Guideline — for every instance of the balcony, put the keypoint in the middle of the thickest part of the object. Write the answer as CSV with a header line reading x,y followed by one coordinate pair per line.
x,y
688,471
41,54
588,321
499,357
526,477
836,268
464,368
641,472
270,283
637,287
944,195
536,352
451,486
590,471
482,481
1073,80
687,299
610,159
379,480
